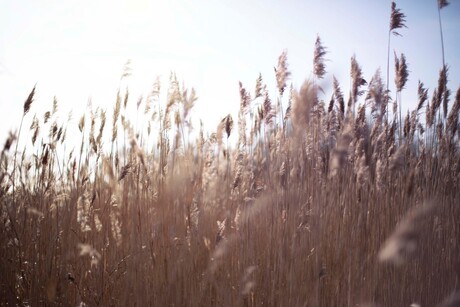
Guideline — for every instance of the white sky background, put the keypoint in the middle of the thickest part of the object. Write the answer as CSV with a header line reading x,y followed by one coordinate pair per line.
x,y
76,49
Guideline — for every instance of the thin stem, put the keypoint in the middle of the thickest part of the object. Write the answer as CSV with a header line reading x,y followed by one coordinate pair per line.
x,y
388,65
161,144
282,112
183,135
81,153
398,97
15,156
442,39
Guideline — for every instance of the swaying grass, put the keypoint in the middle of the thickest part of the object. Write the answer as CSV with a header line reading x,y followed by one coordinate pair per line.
x,y
314,206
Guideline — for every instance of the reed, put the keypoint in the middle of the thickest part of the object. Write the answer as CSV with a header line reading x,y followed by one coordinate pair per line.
x,y
321,205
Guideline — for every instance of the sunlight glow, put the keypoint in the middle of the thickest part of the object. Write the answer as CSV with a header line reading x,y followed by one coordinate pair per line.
x,y
77,51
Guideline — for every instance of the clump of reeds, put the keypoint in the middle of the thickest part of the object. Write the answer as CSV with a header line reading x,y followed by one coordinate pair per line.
x,y
301,210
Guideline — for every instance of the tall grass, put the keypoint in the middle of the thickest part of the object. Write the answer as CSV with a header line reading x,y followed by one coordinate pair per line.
x,y
314,206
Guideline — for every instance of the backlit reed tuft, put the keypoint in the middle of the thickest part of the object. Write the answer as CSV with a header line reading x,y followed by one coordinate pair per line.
x,y
357,81
318,59
282,72
401,72
397,19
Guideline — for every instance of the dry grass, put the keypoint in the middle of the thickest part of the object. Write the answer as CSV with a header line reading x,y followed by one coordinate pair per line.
x,y
297,213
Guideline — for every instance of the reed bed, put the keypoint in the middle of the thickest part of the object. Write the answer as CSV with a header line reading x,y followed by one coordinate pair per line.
x,y
316,203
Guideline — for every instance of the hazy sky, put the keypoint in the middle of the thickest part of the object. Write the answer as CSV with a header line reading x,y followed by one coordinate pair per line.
x,y
76,49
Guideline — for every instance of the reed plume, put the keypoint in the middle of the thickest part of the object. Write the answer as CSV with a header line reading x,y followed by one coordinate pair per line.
x,y
258,91
401,76
397,21
339,96
401,72
268,111
452,120
443,92
26,108
282,72
422,95
302,106
376,96
318,59
357,82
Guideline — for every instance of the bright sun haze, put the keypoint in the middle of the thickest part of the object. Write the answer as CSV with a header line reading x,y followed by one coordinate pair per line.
x,y
75,50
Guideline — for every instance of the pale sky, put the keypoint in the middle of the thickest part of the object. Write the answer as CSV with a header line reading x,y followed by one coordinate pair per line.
x,y
76,49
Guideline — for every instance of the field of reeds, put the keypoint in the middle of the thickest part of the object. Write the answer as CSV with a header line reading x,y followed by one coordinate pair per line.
x,y
320,200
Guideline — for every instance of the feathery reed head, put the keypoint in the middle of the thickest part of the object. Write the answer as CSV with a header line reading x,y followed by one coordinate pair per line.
x,y
245,98
268,112
401,72
443,3
29,101
422,95
226,124
318,59
330,107
258,91
375,95
55,105
339,96
442,93
452,120
303,103
397,20
357,79
442,80
126,70
81,123
445,102
9,141
282,73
